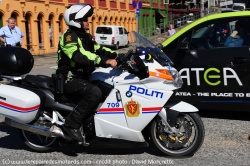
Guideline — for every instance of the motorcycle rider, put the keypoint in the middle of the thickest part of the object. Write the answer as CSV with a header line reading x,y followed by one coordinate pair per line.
x,y
78,55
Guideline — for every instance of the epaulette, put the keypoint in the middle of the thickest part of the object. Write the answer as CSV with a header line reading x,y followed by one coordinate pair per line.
x,y
70,37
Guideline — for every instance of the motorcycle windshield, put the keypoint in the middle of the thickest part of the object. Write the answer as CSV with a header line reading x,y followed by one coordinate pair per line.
x,y
136,40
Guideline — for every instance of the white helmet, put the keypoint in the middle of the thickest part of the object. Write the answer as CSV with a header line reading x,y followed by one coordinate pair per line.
x,y
77,13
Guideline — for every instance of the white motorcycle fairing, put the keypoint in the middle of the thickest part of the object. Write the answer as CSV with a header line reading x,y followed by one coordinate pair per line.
x,y
188,107
114,118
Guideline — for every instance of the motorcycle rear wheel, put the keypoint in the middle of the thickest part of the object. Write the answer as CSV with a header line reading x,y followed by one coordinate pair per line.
x,y
38,142
186,143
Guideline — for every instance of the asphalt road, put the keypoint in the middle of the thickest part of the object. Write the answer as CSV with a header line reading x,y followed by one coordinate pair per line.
x,y
226,143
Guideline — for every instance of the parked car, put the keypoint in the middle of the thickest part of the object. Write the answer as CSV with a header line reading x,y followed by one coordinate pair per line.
x,y
238,6
215,77
111,35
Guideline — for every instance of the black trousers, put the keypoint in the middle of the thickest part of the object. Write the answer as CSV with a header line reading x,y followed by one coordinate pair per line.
x,y
88,96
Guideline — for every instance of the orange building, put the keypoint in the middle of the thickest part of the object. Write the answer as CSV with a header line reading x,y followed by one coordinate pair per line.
x,y
42,20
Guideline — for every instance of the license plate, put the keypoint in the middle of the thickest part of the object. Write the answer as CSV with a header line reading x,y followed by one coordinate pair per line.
x,y
103,38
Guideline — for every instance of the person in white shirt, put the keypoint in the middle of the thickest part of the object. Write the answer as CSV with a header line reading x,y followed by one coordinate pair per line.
x,y
10,34
171,30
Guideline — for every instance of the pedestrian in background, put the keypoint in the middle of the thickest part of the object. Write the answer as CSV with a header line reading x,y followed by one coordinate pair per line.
x,y
171,30
10,34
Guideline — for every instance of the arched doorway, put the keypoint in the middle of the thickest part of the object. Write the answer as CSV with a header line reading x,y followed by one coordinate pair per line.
x,y
93,25
100,21
51,30
28,31
40,30
129,24
105,21
60,25
111,21
116,21
14,15
1,19
125,23
1,25
121,21
133,24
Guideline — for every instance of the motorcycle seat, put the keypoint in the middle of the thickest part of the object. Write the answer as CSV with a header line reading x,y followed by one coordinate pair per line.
x,y
40,81
46,82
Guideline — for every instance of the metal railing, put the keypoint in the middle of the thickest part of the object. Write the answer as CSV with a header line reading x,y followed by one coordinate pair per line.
x,y
163,27
153,30
179,22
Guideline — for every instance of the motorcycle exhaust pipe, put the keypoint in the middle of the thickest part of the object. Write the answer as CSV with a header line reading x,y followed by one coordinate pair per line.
x,y
53,131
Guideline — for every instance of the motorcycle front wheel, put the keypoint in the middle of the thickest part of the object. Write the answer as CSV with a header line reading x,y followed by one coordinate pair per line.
x,y
185,142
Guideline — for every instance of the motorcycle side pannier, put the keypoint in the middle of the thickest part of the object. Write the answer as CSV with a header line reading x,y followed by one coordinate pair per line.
x,y
15,61
18,104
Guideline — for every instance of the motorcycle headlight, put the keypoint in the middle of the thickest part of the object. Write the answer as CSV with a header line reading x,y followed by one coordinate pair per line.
x,y
171,76
177,81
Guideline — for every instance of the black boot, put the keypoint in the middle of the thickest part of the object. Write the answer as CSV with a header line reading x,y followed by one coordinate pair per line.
x,y
72,126
73,133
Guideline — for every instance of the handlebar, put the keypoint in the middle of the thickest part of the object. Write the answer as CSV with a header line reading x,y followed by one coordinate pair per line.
x,y
123,60
133,64
128,54
127,62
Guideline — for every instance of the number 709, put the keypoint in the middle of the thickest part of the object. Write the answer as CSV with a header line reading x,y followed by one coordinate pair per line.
x,y
113,105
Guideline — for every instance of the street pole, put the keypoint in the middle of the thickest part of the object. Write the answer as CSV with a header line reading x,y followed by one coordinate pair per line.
x,y
208,6
137,27
202,8
137,4
137,20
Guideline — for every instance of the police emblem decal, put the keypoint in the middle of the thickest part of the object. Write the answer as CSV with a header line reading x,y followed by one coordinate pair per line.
x,y
132,108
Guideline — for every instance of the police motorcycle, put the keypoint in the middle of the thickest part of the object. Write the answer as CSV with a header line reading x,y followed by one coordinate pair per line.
x,y
134,109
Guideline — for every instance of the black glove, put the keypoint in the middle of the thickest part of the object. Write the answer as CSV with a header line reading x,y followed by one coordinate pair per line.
x,y
121,59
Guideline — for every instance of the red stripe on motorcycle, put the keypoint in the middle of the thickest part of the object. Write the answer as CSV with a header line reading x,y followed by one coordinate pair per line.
x,y
152,109
19,108
111,110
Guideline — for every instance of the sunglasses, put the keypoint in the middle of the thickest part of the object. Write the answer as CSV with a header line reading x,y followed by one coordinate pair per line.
x,y
84,19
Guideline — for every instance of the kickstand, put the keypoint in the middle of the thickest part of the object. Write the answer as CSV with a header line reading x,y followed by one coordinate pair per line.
x,y
84,143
